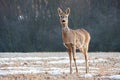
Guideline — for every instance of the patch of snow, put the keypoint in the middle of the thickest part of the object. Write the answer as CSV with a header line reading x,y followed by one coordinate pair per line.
x,y
65,61
116,77
93,68
32,58
36,68
88,75
57,71
98,60
3,72
39,62
19,58
114,69
59,62
4,62
54,71
23,71
17,68
6,72
62,59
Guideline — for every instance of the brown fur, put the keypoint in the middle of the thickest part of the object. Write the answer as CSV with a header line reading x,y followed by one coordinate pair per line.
x,y
74,39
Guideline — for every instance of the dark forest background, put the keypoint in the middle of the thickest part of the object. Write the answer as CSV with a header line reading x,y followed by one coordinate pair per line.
x,y
33,25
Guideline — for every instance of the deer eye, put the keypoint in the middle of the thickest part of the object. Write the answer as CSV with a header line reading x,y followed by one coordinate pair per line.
x,y
61,16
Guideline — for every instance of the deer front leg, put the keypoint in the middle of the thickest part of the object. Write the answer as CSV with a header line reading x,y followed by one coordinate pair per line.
x,y
70,57
74,57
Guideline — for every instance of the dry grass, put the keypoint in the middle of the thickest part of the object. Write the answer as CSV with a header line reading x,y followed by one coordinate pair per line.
x,y
103,71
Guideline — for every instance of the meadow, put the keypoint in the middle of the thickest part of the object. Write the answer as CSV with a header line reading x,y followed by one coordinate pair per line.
x,y
55,66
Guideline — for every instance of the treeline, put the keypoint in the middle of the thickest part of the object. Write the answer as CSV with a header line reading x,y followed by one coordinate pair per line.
x,y
33,25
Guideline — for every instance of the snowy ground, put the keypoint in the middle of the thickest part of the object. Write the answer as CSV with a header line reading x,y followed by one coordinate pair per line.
x,y
55,66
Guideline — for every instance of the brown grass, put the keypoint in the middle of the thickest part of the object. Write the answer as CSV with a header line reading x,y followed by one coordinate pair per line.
x,y
105,68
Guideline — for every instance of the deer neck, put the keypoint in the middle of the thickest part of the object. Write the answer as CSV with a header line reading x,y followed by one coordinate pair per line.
x,y
65,28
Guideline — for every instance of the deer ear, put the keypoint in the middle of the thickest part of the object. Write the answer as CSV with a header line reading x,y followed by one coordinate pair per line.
x,y
59,11
67,11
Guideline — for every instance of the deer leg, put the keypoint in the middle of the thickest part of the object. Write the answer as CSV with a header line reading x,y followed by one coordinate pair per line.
x,y
74,57
70,57
85,52
86,59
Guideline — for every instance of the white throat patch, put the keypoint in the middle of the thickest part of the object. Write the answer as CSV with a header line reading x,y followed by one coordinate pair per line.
x,y
65,29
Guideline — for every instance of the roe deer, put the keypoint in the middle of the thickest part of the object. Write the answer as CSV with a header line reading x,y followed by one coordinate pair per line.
x,y
74,39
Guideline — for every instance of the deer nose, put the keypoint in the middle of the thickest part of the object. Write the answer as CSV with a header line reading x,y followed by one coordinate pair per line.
x,y
63,20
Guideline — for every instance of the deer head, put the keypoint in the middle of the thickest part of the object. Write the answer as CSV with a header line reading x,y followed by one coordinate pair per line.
x,y
64,16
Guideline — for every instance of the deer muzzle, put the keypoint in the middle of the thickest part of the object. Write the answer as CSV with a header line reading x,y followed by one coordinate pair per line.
x,y
63,20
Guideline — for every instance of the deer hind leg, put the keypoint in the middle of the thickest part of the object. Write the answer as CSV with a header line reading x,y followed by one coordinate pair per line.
x,y
74,57
84,50
70,57
86,58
